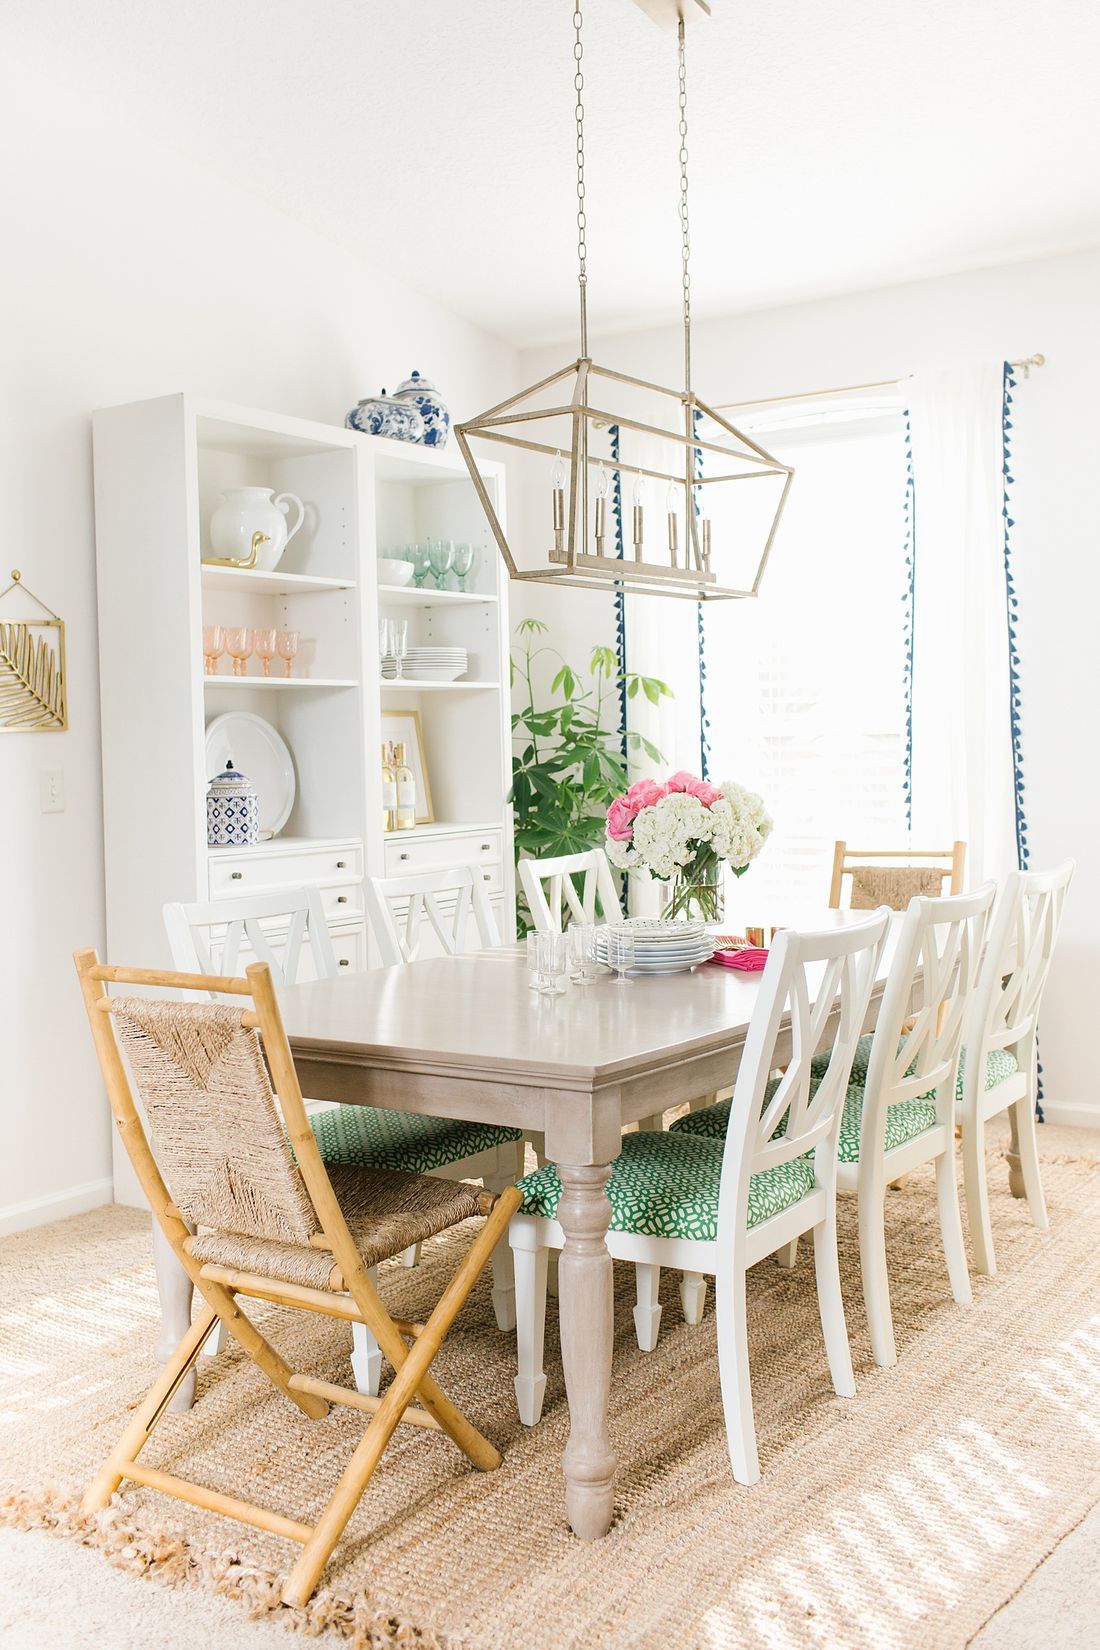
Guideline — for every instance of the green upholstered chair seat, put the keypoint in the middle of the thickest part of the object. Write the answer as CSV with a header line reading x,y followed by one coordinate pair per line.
x,y
373,1137
1000,1063
904,1121
667,1186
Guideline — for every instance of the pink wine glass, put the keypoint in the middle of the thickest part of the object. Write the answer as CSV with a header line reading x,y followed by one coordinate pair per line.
x,y
287,644
238,644
213,646
263,642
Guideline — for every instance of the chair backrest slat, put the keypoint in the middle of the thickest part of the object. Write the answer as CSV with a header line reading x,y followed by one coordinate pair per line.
x,y
443,901
275,927
814,978
899,876
580,885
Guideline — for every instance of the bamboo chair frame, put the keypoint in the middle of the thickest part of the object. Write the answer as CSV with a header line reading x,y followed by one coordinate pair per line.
x,y
952,872
220,1287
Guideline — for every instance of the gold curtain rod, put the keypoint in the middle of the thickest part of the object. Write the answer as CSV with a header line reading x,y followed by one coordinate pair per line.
x,y
1025,367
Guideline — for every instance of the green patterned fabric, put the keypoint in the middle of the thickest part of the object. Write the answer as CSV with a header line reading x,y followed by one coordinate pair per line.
x,y
999,1064
379,1139
903,1121
664,1186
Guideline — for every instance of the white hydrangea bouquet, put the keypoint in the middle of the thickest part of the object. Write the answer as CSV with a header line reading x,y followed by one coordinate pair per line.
x,y
683,832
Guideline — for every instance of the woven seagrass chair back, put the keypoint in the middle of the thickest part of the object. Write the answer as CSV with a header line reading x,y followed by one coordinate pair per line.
x,y
895,884
217,1129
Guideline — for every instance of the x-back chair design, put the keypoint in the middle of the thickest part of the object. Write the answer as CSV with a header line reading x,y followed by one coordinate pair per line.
x,y
274,1225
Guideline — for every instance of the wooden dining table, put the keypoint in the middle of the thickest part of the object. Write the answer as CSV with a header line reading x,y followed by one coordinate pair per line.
x,y
467,1037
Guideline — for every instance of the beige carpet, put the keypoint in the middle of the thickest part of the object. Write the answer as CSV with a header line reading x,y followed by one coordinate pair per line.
x,y
906,1517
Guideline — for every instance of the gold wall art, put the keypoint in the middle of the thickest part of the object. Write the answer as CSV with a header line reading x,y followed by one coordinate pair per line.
x,y
32,669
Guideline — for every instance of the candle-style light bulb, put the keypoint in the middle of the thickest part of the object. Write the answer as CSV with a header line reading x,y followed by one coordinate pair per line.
x,y
673,525
639,517
704,526
603,486
557,482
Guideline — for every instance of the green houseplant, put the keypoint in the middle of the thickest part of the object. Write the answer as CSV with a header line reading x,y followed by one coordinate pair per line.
x,y
568,764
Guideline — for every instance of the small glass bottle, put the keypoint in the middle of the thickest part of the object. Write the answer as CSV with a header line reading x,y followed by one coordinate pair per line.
x,y
389,791
405,817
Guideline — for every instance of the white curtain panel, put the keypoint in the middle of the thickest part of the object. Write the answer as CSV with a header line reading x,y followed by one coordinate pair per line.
x,y
962,745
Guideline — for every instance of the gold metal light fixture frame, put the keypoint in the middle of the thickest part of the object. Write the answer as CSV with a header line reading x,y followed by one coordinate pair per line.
x,y
698,433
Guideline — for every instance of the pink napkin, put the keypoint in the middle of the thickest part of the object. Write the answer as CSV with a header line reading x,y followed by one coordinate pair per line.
x,y
751,959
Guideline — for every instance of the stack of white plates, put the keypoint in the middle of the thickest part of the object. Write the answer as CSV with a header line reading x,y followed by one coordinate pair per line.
x,y
429,664
663,947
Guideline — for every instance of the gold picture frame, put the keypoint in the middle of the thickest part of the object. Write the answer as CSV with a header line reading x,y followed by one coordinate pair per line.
x,y
403,727
32,669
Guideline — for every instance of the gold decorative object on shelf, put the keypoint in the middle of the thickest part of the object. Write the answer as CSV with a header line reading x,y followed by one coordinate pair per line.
x,y
32,669
240,561
715,548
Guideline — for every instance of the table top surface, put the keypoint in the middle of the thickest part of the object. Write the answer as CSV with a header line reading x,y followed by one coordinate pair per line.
x,y
478,1012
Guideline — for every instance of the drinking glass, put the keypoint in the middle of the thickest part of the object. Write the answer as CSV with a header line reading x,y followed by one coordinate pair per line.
x,y
580,941
441,554
533,958
385,645
550,964
286,644
620,951
399,644
238,644
213,646
422,561
463,563
263,643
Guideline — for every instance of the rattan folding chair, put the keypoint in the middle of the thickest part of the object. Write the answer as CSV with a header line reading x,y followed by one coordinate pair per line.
x,y
895,885
273,1224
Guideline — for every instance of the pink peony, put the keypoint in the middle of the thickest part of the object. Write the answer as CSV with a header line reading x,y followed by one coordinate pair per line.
x,y
620,820
683,781
707,793
645,793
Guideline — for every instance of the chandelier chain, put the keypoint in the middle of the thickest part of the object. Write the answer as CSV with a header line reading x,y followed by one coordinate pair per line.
x,y
582,219
685,226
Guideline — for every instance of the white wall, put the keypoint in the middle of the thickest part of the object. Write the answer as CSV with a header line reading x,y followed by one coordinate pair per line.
x,y
1048,306
127,273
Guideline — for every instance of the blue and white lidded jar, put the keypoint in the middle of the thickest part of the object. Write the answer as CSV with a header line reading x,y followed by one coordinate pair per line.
x,y
422,394
386,415
232,811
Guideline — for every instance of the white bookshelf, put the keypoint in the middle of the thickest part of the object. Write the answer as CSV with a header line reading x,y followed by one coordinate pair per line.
x,y
160,469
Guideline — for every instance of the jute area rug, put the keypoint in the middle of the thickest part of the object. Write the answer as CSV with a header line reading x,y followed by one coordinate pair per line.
x,y
903,1518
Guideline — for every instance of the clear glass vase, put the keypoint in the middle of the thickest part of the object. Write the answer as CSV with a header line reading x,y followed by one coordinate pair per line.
x,y
695,896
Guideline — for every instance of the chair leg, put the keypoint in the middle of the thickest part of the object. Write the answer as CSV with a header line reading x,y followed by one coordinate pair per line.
x,y
788,1255
701,1102
977,1198
647,1313
830,1304
693,1296
733,1371
411,1256
530,1273
876,1281
504,1282
947,1192
366,1354
1028,1145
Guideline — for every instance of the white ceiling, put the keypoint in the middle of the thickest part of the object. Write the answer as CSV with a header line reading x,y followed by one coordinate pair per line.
x,y
834,146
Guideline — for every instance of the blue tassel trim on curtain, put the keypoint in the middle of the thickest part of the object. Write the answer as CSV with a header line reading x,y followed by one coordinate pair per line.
x,y
909,606
620,598
1015,692
700,625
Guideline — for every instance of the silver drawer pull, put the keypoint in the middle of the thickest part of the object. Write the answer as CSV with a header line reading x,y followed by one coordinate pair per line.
x,y
486,876
235,876
341,899
402,856
341,864
345,962
486,847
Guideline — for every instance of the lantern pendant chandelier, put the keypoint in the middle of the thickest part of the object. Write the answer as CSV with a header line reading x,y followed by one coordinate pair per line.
x,y
679,456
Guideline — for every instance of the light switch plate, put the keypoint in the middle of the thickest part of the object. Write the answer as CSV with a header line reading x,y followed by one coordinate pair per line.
x,y
51,790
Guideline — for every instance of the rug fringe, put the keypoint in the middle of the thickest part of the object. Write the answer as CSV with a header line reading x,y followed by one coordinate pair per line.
x,y
170,1558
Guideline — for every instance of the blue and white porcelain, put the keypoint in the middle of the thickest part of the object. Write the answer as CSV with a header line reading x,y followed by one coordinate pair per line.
x,y
232,811
422,394
387,415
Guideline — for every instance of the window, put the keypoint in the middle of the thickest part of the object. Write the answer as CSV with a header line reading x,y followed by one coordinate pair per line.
x,y
805,685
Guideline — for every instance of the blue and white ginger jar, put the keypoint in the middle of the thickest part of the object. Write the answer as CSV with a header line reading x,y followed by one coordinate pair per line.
x,y
422,394
232,811
386,415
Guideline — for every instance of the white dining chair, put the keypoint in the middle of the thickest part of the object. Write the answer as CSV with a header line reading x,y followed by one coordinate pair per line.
x,y
281,929
718,1207
900,1107
999,1067
578,886
403,909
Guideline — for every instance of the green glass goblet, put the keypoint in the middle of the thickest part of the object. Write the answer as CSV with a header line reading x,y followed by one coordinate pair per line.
x,y
441,553
421,560
463,564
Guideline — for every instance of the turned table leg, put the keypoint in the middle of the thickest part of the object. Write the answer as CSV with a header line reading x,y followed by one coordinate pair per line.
x,y
1015,1176
586,1315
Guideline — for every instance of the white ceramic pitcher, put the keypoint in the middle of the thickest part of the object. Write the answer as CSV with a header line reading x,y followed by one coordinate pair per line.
x,y
245,512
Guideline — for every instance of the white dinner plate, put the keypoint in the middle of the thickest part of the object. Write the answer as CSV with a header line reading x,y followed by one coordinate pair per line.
x,y
260,752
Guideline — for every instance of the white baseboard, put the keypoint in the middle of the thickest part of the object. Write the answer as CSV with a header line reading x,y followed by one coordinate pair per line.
x,y
38,1211
1075,1117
